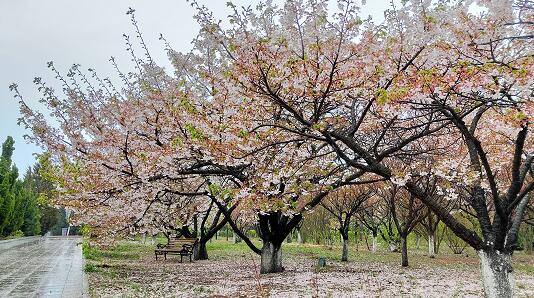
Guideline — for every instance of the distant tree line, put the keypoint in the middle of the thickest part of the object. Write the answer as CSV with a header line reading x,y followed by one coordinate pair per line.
x,y
24,202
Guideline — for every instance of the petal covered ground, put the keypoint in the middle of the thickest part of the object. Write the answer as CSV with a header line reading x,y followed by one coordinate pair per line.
x,y
132,271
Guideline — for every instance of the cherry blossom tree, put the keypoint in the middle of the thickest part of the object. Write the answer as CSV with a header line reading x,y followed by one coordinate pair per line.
x,y
371,93
290,103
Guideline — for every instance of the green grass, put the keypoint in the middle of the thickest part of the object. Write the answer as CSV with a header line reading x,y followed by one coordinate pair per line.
x,y
128,250
90,267
122,251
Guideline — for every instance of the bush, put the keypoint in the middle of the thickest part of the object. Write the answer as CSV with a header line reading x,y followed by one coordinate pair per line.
x,y
16,234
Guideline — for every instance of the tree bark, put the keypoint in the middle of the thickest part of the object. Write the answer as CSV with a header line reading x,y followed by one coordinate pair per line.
x,y
299,237
200,251
374,248
271,258
431,246
497,274
345,254
404,250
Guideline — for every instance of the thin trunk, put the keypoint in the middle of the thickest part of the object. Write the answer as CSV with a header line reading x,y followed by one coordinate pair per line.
x,y
431,246
375,243
497,274
299,237
417,241
271,258
404,250
345,255
143,238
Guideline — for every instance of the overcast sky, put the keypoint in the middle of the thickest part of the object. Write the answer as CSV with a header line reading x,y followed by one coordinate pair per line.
x,y
33,32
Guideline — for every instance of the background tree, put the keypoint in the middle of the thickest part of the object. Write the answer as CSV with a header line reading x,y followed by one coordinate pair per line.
x,y
406,211
372,217
343,204
19,210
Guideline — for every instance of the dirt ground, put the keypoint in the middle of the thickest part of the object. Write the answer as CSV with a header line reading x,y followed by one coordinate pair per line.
x,y
133,272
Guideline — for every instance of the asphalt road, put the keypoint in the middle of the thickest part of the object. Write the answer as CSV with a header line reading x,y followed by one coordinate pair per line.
x,y
51,267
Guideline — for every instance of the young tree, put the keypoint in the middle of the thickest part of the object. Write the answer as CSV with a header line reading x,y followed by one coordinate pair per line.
x,y
343,204
406,211
373,217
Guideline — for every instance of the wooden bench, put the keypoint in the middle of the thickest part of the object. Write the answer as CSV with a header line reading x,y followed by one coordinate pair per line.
x,y
180,246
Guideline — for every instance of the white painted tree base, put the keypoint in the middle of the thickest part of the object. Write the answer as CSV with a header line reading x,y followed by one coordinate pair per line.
x,y
271,258
431,252
497,274
375,244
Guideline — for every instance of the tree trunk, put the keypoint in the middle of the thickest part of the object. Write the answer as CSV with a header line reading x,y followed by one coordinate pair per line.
x,y
497,274
417,241
375,243
200,251
345,255
289,237
271,258
299,237
431,246
143,238
404,250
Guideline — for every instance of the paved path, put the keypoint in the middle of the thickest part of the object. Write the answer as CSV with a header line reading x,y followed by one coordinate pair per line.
x,y
52,267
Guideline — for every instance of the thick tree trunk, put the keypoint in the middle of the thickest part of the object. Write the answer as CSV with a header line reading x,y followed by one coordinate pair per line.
x,y
345,254
404,251
271,258
431,246
200,251
497,274
374,248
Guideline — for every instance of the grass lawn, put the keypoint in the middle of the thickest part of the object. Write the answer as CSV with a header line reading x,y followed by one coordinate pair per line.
x,y
130,270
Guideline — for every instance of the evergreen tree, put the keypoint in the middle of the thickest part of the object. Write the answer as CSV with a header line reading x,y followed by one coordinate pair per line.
x,y
8,176
19,206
